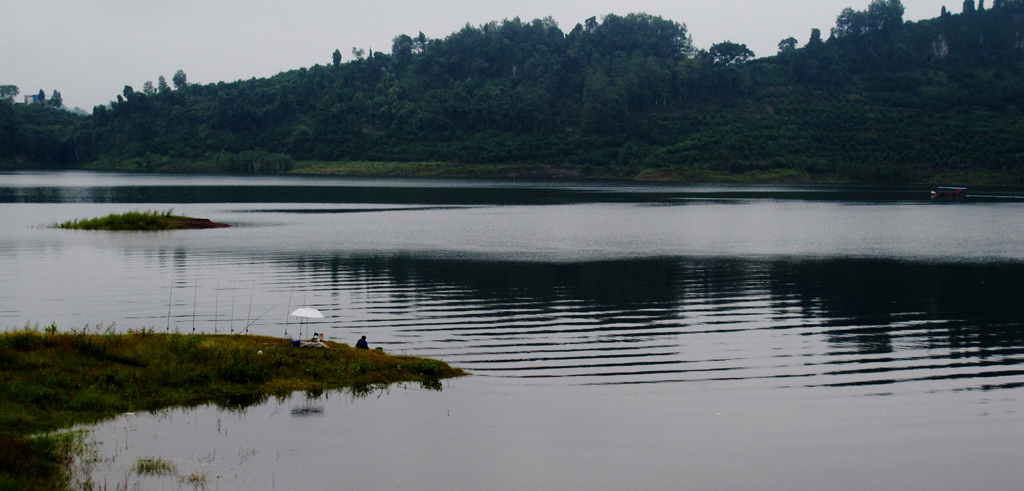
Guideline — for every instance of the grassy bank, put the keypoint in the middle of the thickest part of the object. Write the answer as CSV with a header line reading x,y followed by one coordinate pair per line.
x,y
51,380
141,221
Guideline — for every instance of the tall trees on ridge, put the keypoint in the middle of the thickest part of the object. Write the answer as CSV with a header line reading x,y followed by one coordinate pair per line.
x,y
626,90
787,45
8,92
728,52
882,16
179,79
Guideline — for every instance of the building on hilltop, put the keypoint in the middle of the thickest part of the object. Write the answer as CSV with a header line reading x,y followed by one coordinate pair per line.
x,y
35,99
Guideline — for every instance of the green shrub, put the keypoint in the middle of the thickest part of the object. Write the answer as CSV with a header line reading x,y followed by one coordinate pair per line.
x,y
24,340
88,399
245,371
431,368
361,367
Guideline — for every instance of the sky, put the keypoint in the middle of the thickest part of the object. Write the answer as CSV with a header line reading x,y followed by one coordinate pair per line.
x,y
89,50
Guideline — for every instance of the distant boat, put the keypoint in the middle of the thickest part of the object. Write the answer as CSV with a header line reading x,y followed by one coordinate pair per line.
x,y
949,192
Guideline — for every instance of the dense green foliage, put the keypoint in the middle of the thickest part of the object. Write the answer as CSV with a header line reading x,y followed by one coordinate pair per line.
x,y
37,137
53,380
881,100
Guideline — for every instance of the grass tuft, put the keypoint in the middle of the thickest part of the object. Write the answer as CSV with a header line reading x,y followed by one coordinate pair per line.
x,y
155,467
196,479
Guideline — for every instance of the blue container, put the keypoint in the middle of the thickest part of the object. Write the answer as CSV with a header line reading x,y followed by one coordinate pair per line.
x,y
295,343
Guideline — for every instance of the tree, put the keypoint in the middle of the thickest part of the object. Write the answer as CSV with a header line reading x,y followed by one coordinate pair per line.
x,y
55,100
882,16
358,53
419,43
8,92
179,79
128,91
815,38
787,45
336,57
886,15
728,52
42,96
161,84
968,6
648,34
401,48
850,24
99,113
147,88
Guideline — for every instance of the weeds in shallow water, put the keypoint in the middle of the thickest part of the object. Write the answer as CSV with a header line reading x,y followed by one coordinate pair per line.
x,y
196,479
155,467
247,454
50,461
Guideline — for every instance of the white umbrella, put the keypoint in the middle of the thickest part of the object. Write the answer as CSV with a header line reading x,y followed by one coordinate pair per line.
x,y
307,313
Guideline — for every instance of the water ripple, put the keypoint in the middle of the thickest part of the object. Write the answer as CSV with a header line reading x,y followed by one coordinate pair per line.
x,y
819,324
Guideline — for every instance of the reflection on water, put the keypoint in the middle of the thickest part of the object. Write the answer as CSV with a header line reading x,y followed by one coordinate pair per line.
x,y
694,320
620,336
224,448
815,322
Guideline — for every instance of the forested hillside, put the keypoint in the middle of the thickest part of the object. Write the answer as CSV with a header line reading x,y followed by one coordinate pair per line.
x,y
879,100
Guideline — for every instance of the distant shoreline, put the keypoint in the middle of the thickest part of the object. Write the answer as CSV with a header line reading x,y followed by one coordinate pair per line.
x,y
569,172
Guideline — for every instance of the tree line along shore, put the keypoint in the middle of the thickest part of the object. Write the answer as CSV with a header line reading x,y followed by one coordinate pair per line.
x,y
874,98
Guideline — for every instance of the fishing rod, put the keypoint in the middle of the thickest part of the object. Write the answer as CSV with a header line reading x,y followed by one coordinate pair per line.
x,y
286,316
256,319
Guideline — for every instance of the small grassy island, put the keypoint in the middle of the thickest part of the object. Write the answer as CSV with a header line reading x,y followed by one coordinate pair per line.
x,y
142,221
50,381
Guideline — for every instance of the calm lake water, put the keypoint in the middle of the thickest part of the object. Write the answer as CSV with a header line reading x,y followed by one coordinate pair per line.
x,y
620,336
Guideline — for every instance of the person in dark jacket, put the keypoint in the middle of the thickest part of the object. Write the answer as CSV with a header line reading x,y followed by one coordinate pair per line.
x,y
361,344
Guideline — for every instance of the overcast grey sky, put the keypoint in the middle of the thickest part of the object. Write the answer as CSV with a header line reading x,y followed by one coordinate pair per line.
x,y
90,49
